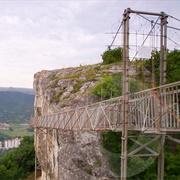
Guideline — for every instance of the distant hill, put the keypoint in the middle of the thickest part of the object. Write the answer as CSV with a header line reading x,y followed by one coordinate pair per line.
x,y
16,89
16,106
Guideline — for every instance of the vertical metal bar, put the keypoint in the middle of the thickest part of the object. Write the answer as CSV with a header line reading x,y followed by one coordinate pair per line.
x,y
173,108
125,91
177,106
152,110
170,101
153,71
161,52
163,63
161,157
164,47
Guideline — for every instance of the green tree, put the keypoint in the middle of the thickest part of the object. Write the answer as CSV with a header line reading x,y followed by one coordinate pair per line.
x,y
112,56
172,168
111,142
18,163
173,66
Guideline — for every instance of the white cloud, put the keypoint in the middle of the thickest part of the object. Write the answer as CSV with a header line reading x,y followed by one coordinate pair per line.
x,y
36,35
10,20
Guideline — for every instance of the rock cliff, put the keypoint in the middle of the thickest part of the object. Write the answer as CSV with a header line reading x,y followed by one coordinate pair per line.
x,y
67,155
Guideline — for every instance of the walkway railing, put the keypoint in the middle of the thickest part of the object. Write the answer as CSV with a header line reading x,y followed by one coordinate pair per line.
x,y
151,110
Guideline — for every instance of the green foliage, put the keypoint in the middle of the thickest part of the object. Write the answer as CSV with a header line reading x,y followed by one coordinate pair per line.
x,y
108,87
111,142
172,168
10,128
30,129
112,56
77,86
18,130
5,152
88,171
173,66
53,77
111,86
18,163
97,163
141,167
16,107
4,137
56,97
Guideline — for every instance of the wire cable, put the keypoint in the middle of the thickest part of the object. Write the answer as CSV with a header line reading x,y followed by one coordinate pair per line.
x,y
109,47
174,28
173,18
173,41
146,37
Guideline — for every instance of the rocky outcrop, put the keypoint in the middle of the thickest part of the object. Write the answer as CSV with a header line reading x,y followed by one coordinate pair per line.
x,y
65,154
72,155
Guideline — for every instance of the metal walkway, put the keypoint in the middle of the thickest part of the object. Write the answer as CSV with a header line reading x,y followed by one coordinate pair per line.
x,y
150,111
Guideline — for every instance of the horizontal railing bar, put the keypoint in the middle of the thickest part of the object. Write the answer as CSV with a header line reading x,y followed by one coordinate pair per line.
x,y
121,97
106,115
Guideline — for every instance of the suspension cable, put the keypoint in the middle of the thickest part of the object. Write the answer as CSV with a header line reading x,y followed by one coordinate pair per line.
x,y
109,47
159,23
173,41
147,36
174,18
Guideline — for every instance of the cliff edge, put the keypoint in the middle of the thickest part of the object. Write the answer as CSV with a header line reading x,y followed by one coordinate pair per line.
x,y
66,155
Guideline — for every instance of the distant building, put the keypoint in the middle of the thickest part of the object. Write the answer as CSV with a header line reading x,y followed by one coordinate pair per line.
x,y
17,142
1,145
13,143
8,144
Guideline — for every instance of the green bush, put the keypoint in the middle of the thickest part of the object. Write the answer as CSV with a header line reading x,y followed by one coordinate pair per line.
x,y
56,97
111,86
141,167
112,56
88,171
173,66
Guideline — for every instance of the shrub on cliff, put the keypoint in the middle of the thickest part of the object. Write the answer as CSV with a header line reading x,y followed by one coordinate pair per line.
x,y
111,86
112,56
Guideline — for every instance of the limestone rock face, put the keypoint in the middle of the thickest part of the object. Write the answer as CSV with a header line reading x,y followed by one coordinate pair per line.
x,y
72,155
65,154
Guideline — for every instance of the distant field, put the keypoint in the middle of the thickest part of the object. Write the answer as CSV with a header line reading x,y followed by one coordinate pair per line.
x,y
18,130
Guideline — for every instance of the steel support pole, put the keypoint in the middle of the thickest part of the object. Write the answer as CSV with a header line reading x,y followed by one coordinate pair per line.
x,y
125,91
163,48
161,157
161,52
163,64
153,72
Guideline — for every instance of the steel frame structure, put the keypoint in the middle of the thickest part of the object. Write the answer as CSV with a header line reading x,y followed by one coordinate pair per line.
x,y
144,113
163,54
153,112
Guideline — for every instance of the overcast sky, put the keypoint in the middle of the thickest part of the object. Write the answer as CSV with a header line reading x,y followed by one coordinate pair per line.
x,y
45,34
